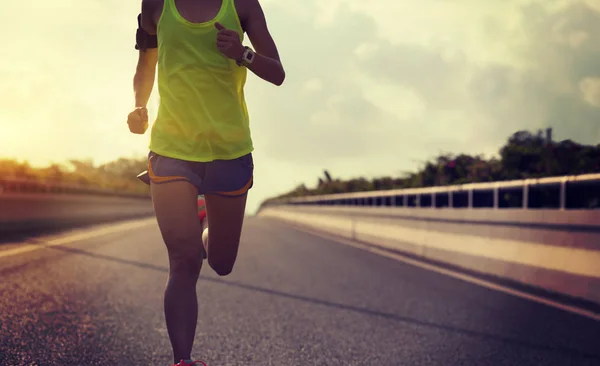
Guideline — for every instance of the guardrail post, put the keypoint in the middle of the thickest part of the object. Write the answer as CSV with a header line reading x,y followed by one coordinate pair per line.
x,y
450,199
525,196
405,199
470,195
496,198
433,205
563,195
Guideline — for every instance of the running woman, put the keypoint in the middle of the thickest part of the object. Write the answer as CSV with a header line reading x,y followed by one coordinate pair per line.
x,y
200,142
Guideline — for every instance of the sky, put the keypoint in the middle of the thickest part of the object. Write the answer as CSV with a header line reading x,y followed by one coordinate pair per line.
x,y
373,88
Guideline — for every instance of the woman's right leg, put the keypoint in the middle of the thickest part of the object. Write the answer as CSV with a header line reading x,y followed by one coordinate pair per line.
x,y
176,208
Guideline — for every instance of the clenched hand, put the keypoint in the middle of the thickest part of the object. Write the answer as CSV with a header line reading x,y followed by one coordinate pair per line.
x,y
229,43
138,120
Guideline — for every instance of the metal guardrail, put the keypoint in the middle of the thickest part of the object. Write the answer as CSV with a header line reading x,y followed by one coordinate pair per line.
x,y
566,192
12,185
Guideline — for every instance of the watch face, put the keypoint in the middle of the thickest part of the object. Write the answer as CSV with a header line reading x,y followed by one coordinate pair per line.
x,y
250,56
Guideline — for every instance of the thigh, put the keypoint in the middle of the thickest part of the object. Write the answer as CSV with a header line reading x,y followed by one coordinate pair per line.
x,y
162,170
176,208
229,177
225,219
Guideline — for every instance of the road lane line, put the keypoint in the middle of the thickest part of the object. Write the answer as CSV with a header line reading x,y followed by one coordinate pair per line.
x,y
87,234
454,274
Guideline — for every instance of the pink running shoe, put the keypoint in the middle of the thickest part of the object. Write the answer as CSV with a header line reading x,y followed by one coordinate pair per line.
x,y
201,208
183,363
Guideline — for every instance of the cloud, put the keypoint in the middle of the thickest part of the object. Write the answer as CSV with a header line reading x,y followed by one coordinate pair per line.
x,y
590,88
562,51
559,53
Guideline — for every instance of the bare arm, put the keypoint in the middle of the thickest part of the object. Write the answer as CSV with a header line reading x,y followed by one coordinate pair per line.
x,y
145,73
267,64
143,80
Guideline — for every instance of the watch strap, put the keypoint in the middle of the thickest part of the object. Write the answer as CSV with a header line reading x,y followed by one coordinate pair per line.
x,y
246,58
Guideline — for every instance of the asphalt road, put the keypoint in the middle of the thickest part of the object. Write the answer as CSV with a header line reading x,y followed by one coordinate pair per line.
x,y
293,299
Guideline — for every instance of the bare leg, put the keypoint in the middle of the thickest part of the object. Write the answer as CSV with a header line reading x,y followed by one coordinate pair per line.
x,y
226,216
176,210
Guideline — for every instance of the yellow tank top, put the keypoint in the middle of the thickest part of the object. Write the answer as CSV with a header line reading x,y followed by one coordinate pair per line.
x,y
202,114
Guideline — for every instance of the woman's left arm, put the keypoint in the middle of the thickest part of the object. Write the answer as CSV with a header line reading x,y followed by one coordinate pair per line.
x,y
266,64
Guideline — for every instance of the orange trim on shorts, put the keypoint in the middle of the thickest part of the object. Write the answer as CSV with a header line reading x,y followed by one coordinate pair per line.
x,y
156,179
239,192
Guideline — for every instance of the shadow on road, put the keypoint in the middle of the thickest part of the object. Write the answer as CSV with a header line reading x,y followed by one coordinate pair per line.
x,y
360,310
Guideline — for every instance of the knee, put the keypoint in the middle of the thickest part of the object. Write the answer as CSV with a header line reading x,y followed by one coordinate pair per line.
x,y
185,266
222,267
185,257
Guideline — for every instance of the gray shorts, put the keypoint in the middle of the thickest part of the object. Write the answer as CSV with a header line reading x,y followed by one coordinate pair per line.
x,y
222,177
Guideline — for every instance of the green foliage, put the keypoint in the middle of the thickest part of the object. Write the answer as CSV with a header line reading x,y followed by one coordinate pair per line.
x,y
525,155
117,175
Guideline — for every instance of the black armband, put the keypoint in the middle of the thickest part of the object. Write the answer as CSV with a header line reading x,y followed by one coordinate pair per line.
x,y
144,40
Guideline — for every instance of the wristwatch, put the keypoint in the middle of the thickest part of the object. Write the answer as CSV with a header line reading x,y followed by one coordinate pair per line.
x,y
246,58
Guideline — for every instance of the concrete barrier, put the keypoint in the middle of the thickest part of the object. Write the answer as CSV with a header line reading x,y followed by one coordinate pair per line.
x,y
23,213
554,250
